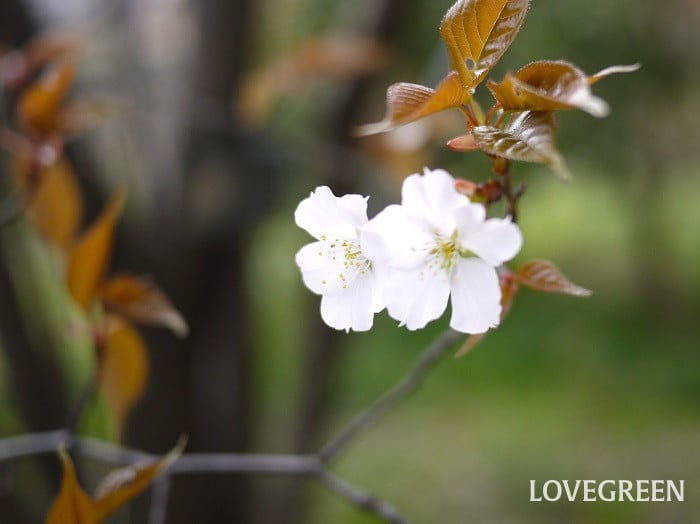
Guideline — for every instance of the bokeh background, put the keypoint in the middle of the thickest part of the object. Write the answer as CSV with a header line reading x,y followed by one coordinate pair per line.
x,y
236,110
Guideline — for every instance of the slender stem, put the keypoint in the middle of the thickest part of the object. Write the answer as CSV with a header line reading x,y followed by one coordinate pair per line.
x,y
491,112
468,111
85,396
391,398
512,195
158,509
31,444
295,465
360,498
314,465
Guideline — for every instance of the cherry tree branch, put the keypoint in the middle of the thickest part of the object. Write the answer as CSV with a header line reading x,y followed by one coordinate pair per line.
x,y
313,466
409,383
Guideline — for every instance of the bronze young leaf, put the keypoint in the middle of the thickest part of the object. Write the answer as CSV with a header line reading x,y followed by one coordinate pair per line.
x,y
542,275
406,103
138,299
478,32
124,368
548,85
89,258
529,137
73,505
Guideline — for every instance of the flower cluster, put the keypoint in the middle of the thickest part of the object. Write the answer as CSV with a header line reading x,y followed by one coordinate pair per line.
x,y
410,258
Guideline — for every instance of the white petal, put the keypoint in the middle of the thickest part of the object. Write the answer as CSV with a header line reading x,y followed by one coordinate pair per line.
x,y
476,296
469,219
320,272
496,240
432,198
352,307
413,297
392,238
324,215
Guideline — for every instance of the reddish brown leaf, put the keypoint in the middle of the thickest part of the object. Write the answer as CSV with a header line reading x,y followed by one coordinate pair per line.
x,y
408,102
89,258
56,206
71,505
552,85
336,58
39,105
340,57
124,368
141,301
51,47
124,484
541,275
530,137
478,32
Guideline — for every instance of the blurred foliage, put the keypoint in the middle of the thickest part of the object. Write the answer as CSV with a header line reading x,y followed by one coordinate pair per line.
x,y
604,387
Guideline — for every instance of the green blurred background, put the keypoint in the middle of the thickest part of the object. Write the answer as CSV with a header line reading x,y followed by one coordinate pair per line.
x,y
606,387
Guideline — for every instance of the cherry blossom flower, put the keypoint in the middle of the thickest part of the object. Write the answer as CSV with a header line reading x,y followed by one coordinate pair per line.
x,y
335,266
437,245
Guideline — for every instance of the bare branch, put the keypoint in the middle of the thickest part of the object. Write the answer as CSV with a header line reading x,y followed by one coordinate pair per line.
x,y
298,465
313,465
360,498
31,444
159,500
393,397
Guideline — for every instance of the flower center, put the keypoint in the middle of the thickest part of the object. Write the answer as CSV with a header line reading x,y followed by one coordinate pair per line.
x,y
348,258
444,253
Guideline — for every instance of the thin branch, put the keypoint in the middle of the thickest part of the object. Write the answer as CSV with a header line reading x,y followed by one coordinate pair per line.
x,y
247,463
84,398
360,498
159,500
394,396
296,465
31,444
302,465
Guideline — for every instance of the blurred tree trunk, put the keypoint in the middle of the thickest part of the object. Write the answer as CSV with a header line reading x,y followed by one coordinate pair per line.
x,y
201,385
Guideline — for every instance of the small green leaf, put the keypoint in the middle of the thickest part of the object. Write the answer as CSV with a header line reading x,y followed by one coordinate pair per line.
x,y
530,137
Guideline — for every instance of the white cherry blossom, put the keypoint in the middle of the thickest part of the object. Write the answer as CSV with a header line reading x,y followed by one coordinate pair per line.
x,y
438,245
335,266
